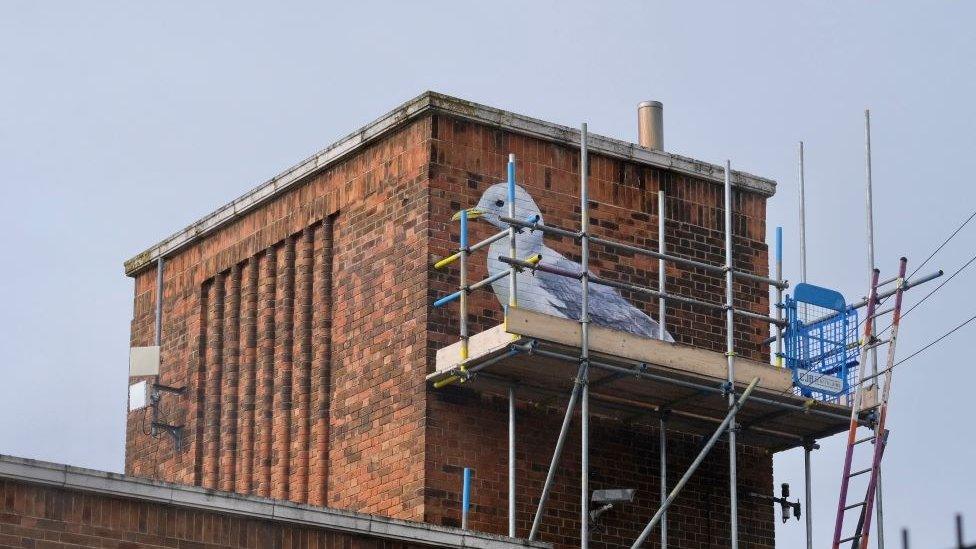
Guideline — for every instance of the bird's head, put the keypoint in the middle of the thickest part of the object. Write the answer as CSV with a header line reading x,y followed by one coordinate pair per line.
x,y
494,205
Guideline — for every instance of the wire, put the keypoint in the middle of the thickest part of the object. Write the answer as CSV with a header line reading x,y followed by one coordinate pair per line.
x,y
946,241
933,342
913,273
927,259
936,289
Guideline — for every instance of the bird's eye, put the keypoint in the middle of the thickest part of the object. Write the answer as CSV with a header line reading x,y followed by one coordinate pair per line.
x,y
499,203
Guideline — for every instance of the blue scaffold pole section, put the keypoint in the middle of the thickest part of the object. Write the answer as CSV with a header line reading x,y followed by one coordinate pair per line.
x,y
779,244
465,497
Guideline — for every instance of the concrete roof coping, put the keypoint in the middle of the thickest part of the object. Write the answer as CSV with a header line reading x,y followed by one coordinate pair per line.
x,y
437,102
193,497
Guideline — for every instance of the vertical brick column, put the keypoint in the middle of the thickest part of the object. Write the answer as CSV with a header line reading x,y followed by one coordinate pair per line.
x,y
321,362
298,486
199,384
264,412
230,379
284,339
248,354
213,368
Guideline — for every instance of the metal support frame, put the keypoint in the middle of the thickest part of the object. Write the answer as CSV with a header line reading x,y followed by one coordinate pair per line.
x,y
869,206
730,354
512,302
556,454
463,290
808,447
158,328
662,324
729,418
511,462
175,431
803,219
664,478
778,358
584,344
581,390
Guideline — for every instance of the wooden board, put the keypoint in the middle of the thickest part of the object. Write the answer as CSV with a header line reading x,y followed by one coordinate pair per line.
x,y
672,356
623,396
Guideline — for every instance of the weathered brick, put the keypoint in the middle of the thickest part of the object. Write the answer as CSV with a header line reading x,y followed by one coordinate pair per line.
x,y
304,332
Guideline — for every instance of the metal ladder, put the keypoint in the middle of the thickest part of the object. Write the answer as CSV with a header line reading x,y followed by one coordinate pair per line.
x,y
859,538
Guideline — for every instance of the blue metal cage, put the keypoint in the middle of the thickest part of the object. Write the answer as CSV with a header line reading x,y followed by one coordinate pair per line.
x,y
821,342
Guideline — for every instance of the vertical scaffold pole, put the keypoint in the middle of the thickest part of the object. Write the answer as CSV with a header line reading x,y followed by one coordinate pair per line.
x,y
662,323
512,302
729,417
511,462
869,198
779,296
584,342
661,266
464,288
730,354
158,328
803,221
567,418
465,497
808,496
664,480
512,272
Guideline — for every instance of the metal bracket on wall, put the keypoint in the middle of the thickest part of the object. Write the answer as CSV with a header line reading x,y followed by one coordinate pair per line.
x,y
175,431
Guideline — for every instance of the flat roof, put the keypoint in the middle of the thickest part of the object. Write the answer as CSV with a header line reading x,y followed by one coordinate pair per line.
x,y
430,101
193,497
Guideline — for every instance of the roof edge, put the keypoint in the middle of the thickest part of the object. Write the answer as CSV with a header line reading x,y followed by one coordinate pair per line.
x,y
423,103
68,477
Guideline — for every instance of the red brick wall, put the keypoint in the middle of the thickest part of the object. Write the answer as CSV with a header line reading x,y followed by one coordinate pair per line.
x,y
303,331
46,517
467,430
299,331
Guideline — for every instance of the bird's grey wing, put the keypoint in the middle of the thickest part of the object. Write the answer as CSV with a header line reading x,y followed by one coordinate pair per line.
x,y
565,294
607,307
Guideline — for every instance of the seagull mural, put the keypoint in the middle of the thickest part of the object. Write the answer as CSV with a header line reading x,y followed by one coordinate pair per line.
x,y
550,293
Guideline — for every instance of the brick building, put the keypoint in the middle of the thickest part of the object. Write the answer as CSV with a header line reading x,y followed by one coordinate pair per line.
x,y
48,505
298,318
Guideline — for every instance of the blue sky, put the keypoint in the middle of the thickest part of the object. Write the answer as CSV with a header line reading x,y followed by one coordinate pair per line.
x,y
121,122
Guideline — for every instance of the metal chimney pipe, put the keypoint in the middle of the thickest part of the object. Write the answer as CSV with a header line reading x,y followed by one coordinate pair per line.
x,y
650,125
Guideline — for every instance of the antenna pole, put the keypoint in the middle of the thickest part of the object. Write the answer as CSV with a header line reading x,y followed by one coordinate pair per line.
x,y
869,206
803,221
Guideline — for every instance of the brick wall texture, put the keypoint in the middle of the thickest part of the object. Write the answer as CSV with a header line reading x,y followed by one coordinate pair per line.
x,y
303,331
44,517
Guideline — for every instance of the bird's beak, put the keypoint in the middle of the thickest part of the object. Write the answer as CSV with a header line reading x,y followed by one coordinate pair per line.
x,y
473,213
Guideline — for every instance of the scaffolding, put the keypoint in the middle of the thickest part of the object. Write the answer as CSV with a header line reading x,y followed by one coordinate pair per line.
x,y
579,394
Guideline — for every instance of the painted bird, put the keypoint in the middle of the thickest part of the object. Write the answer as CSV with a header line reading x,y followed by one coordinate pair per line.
x,y
546,292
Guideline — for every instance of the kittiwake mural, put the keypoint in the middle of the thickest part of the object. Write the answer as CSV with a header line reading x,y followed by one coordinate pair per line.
x,y
545,292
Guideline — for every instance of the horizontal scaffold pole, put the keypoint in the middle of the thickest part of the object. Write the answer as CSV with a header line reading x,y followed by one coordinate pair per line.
x,y
638,372
530,263
909,284
639,289
556,231
477,246
719,431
